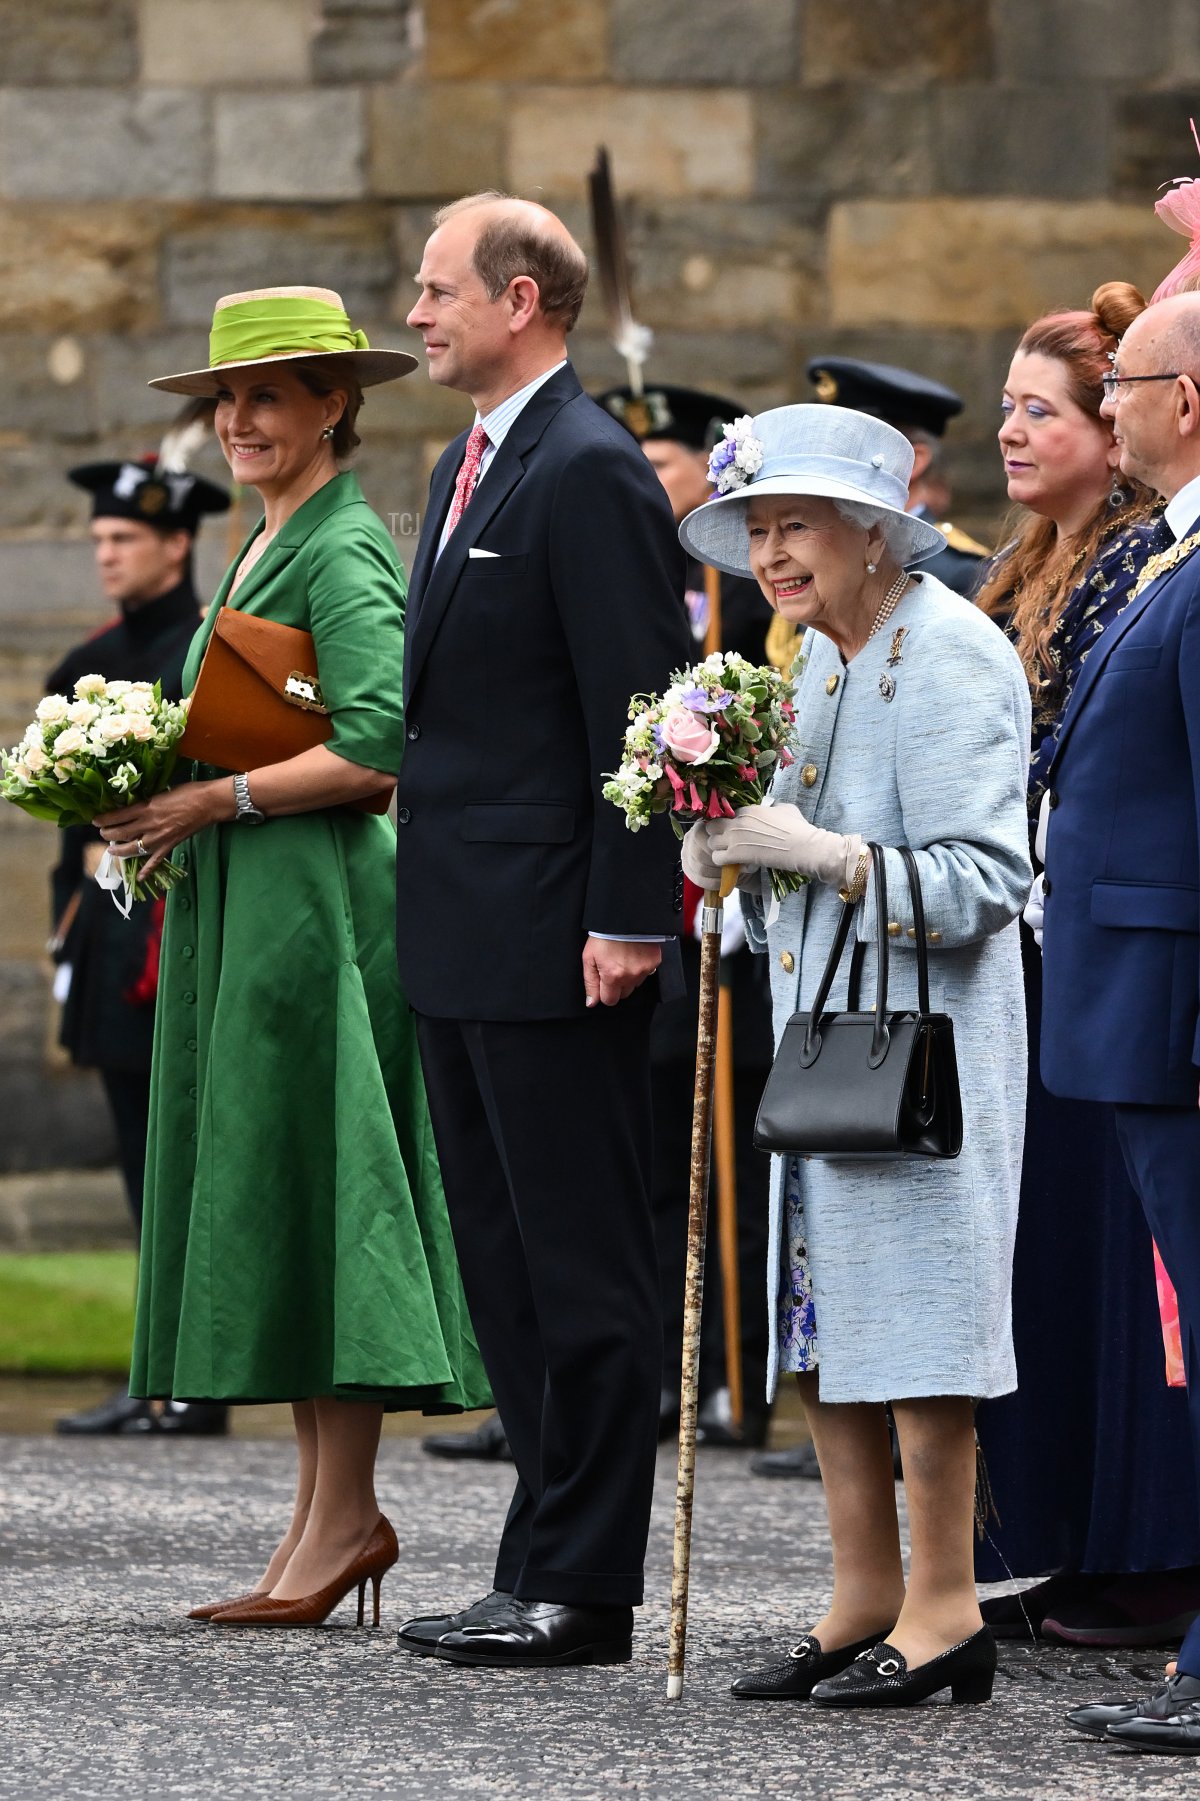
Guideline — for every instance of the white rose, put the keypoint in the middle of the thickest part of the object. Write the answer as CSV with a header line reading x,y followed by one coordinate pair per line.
x,y
115,690
95,743
88,685
36,758
82,712
140,698
70,742
52,709
65,770
113,728
140,728
34,736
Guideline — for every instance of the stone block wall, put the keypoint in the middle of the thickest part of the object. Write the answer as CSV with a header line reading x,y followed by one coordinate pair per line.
x,y
909,180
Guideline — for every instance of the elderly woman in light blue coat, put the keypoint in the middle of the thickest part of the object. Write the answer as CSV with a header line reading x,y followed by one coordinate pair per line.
x,y
888,1281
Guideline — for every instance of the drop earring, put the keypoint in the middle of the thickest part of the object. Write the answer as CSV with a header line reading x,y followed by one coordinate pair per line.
x,y
870,568
1119,496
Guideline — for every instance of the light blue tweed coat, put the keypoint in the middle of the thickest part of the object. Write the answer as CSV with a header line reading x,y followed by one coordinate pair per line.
x,y
911,1262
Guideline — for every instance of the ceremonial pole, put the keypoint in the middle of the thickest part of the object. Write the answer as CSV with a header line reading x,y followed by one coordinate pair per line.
x,y
723,1119
702,1120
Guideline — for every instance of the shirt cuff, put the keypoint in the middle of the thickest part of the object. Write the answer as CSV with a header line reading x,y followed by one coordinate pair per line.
x,y
628,938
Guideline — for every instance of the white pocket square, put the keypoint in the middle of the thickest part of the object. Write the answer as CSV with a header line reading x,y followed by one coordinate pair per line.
x,y
476,552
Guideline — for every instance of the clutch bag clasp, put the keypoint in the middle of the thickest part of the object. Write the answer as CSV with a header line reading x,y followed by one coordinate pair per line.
x,y
304,691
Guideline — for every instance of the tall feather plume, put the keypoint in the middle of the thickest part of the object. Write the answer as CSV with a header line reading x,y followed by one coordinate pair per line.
x,y
632,340
184,436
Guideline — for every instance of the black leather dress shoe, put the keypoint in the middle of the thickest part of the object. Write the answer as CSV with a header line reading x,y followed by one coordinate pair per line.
x,y
120,1413
881,1677
488,1443
194,1419
795,1676
537,1635
422,1634
1179,1695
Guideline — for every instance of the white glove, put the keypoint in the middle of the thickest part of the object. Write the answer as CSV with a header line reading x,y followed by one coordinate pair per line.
x,y
781,838
1035,909
696,857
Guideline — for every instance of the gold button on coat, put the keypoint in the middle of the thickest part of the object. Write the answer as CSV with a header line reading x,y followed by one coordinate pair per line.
x,y
934,937
788,961
893,928
808,774
831,682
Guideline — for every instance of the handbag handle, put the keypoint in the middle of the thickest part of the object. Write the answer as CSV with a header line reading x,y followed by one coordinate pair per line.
x,y
880,1037
918,907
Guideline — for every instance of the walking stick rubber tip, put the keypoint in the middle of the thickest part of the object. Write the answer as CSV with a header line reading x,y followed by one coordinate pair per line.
x,y
674,1688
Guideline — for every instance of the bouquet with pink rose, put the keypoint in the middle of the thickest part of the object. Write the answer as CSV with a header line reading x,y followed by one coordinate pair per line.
x,y
707,746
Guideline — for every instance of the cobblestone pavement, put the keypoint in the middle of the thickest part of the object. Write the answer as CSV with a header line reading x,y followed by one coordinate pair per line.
x,y
107,1690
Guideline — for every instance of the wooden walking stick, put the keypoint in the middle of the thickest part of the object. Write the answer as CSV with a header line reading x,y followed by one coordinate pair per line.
x,y
702,1117
723,1119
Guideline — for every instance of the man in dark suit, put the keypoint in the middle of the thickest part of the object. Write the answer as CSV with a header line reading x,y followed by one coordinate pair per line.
x,y
1120,899
529,921
143,528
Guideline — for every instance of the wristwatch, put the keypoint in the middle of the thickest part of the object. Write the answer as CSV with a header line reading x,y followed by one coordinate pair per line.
x,y
246,809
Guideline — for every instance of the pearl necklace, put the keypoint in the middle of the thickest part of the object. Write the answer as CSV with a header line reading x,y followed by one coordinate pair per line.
x,y
890,602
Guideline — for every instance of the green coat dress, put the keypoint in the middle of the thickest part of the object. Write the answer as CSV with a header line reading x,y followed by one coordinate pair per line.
x,y
296,1241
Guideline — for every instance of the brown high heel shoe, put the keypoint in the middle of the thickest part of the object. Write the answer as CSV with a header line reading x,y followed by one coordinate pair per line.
x,y
208,1608
370,1565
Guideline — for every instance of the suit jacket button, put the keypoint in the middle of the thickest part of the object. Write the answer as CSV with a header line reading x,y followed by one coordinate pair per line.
x,y
788,962
402,816
414,732
808,775
1046,887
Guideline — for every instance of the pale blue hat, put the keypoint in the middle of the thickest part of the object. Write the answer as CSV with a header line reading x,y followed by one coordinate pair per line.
x,y
823,450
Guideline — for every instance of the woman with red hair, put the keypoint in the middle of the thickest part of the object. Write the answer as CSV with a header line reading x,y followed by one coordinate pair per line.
x,y
1090,1459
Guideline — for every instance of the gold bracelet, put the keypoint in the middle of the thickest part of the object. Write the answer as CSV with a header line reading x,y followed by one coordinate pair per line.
x,y
858,882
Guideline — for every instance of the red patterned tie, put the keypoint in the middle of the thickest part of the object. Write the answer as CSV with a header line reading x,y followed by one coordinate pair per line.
x,y
468,475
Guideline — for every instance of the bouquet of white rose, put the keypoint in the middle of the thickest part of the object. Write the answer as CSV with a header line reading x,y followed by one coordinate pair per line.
x,y
112,743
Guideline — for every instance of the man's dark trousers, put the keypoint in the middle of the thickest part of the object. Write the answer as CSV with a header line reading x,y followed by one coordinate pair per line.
x,y
546,1185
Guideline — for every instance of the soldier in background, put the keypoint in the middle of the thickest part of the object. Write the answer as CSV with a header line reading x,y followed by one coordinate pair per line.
x,y
921,409
143,528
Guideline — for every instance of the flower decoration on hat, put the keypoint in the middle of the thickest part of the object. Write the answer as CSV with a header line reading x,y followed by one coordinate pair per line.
x,y
737,459
1179,208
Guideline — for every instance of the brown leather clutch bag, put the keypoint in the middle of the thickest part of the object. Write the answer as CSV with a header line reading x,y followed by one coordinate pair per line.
x,y
258,699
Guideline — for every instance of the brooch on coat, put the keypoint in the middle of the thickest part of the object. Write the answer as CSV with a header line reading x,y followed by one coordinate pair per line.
x,y
887,686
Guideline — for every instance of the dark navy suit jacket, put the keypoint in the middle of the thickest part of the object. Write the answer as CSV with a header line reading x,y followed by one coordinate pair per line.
x,y
518,671
1121,952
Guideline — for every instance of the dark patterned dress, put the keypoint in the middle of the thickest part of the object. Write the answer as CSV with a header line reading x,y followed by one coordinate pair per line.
x,y
1090,1460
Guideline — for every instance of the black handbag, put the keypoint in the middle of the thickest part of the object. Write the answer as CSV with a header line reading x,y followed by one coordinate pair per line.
x,y
874,1085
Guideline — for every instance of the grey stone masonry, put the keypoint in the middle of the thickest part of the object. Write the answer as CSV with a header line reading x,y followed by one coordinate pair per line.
x,y
102,143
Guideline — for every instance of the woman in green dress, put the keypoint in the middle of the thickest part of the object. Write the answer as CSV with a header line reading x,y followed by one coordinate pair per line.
x,y
296,1245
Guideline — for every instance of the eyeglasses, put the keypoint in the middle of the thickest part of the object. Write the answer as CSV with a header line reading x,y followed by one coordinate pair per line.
x,y
1110,383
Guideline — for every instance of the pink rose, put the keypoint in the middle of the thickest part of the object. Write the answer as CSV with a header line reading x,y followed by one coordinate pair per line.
x,y
688,737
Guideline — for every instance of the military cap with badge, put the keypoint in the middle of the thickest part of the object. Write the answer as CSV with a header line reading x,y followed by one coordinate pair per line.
x,y
148,491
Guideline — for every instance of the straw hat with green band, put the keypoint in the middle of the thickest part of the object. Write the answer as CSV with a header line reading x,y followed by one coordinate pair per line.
x,y
284,325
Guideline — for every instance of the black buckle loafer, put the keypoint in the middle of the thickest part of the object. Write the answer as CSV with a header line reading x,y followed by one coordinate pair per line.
x,y
795,1676
881,1677
536,1635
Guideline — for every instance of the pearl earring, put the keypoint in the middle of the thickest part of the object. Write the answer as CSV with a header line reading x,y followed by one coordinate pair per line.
x,y
870,568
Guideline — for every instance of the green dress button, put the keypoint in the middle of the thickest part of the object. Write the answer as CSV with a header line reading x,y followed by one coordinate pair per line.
x,y
191,1044
192,1092
189,999
185,905
188,952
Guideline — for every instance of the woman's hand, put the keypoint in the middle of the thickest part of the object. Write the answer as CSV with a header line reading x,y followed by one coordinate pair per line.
x,y
781,838
696,856
152,828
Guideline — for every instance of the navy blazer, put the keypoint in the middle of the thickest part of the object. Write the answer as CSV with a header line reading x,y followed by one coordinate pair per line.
x,y
1121,956
518,671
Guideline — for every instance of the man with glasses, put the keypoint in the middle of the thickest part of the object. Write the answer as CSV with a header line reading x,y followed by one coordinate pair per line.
x,y
1121,905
